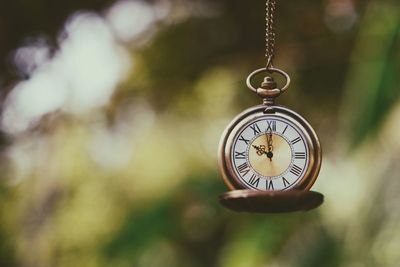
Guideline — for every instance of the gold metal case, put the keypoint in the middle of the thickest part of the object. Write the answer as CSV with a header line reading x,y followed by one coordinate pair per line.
x,y
254,113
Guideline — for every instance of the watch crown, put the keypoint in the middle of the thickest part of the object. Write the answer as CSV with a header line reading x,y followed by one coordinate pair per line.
x,y
269,89
269,83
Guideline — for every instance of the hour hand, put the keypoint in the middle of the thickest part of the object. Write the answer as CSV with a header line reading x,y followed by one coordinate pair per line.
x,y
260,150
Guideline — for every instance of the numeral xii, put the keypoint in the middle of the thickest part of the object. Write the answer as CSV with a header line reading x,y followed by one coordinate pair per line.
x,y
271,126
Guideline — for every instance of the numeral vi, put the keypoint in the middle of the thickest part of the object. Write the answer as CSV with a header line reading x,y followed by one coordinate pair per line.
x,y
270,185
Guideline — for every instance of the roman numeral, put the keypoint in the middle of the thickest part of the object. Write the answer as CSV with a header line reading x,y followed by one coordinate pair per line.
x,y
270,185
300,155
243,169
241,138
285,182
271,126
296,170
284,131
240,155
295,141
254,180
255,128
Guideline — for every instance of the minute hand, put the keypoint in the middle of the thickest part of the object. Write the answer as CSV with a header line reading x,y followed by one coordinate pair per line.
x,y
270,153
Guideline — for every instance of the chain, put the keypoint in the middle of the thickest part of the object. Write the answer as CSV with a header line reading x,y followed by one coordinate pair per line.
x,y
269,89
270,32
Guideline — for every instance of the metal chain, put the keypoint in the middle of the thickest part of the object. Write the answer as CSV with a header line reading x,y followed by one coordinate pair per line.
x,y
270,32
269,90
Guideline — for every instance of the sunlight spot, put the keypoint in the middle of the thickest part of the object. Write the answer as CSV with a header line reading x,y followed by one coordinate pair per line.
x,y
81,76
91,62
45,92
129,19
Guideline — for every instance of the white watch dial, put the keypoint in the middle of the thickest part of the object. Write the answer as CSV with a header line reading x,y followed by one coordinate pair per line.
x,y
270,153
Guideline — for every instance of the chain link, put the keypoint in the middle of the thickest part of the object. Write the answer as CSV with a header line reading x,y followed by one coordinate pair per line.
x,y
269,90
270,32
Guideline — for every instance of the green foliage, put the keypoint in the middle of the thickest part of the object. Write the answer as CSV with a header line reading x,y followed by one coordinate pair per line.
x,y
375,73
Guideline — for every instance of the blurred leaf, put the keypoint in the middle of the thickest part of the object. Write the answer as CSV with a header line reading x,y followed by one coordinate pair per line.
x,y
166,220
374,72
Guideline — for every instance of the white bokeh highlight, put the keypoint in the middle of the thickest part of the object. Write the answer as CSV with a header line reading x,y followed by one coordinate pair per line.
x,y
130,19
80,77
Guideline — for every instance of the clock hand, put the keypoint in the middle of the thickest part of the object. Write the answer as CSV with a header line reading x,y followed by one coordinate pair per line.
x,y
260,150
270,153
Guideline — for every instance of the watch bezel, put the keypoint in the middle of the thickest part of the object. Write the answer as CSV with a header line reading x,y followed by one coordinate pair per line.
x,y
251,114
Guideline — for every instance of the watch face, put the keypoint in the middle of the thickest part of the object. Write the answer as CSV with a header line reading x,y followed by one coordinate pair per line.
x,y
270,151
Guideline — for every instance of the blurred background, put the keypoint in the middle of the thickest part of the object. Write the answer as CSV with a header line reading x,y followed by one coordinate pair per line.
x,y
111,114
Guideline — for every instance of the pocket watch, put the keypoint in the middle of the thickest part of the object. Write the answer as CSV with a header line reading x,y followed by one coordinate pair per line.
x,y
270,152
269,155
